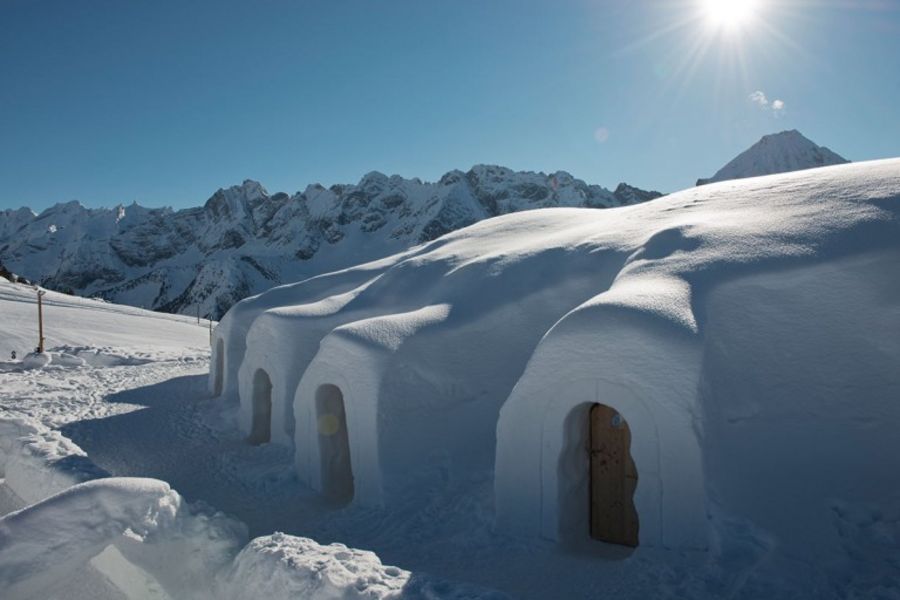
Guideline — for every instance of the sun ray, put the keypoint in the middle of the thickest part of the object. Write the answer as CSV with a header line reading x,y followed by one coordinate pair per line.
x,y
682,23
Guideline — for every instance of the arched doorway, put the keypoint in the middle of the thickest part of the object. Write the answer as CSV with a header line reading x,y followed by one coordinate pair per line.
x,y
613,478
220,367
261,429
334,444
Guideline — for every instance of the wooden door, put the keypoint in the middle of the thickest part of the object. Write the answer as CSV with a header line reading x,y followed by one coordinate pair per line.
x,y
261,427
614,518
334,445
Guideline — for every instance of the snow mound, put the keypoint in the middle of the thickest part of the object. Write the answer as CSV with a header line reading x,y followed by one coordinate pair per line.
x,y
144,519
188,550
36,461
66,517
34,360
283,566
72,512
68,358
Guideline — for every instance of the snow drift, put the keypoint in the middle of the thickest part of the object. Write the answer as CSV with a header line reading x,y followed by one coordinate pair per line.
x,y
189,551
283,566
47,542
746,332
146,541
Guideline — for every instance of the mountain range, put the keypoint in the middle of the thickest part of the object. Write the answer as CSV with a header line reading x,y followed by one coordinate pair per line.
x,y
244,240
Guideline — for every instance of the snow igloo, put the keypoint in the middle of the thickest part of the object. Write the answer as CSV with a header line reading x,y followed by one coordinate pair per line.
x,y
621,375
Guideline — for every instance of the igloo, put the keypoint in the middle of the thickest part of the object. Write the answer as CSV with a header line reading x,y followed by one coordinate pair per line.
x,y
617,375
644,372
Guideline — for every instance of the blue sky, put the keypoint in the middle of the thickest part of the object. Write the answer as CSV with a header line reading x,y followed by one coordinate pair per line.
x,y
163,102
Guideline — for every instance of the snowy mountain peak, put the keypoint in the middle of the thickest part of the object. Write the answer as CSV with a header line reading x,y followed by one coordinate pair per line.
x,y
23,212
69,207
237,200
777,153
12,219
628,194
375,182
376,176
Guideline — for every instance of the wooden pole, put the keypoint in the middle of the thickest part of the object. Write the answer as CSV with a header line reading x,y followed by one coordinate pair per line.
x,y
40,348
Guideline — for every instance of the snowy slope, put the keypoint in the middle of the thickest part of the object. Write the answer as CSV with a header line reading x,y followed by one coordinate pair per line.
x,y
75,321
747,331
776,153
244,240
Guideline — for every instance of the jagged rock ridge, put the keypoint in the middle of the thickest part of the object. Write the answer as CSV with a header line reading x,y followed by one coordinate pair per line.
x,y
245,240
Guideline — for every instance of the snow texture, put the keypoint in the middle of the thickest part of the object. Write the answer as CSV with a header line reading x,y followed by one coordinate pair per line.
x,y
282,566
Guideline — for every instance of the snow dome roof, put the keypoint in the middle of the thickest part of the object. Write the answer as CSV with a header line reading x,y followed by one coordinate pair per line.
x,y
663,250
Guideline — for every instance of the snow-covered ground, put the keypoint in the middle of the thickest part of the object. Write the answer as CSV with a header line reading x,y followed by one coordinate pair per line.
x,y
125,394
128,385
78,332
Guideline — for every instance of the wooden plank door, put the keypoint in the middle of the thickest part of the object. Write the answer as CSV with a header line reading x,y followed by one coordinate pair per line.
x,y
614,518
334,445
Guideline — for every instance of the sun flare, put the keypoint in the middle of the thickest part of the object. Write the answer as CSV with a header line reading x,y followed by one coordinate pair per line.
x,y
729,14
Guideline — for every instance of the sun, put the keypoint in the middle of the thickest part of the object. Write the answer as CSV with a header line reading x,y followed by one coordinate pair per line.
x,y
729,14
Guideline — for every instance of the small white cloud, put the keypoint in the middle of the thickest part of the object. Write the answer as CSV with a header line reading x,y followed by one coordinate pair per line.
x,y
760,99
601,134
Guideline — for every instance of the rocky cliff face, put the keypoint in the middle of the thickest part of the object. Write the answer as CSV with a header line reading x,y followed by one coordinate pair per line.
x,y
245,240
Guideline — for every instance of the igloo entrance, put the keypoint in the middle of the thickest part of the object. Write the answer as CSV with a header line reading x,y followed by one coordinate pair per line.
x,y
334,445
220,367
613,478
261,430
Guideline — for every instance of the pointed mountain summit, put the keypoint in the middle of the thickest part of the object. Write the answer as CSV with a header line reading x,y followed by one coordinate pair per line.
x,y
777,153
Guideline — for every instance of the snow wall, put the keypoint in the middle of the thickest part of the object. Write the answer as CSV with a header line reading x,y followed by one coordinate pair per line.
x,y
67,516
481,353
